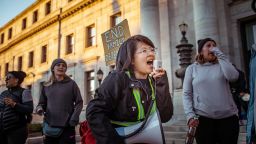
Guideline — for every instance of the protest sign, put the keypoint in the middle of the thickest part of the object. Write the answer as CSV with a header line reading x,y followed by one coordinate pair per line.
x,y
112,40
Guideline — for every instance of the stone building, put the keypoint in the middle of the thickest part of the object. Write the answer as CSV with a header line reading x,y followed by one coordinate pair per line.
x,y
71,29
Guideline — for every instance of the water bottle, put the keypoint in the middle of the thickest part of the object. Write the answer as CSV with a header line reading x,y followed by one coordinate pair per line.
x,y
191,134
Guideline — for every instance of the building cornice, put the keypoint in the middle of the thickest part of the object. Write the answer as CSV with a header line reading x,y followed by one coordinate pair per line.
x,y
55,18
76,8
21,14
29,33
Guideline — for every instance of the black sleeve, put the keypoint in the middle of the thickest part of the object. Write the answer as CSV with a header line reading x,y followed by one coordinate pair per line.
x,y
99,110
42,100
163,99
242,81
25,108
25,105
78,101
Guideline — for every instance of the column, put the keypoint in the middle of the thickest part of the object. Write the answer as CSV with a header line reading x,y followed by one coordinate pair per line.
x,y
205,19
149,21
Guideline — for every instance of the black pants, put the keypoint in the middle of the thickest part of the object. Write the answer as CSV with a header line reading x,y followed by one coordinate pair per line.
x,y
68,136
244,105
16,136
217,131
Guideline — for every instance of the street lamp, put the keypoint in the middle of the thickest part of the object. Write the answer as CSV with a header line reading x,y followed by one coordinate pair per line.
x,y
100,76
183,29
184,49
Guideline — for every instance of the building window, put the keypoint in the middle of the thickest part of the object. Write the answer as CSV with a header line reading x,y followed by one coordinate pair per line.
x,y
2,38
24,23
90,85
10,33
116,19
20,63
47,8
44,54
6,68
31,59
91,36
35,16
69,43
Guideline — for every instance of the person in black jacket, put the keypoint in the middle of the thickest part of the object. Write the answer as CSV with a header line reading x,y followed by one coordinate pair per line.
x,y
16,105
238,89
61,103
115,100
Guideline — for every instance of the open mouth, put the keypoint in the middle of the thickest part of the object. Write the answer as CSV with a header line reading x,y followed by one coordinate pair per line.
x,y
60,70
211,54
150,62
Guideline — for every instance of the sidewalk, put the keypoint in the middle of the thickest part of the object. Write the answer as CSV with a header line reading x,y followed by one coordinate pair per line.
x,y
39,140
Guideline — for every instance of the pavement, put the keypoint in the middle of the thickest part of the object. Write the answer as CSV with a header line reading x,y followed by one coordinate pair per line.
x,y
39,140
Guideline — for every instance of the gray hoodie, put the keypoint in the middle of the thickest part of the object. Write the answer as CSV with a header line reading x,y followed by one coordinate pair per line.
x,y
62,103
206,90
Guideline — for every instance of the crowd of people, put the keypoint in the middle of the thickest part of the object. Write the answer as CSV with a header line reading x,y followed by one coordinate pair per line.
x,y
214,100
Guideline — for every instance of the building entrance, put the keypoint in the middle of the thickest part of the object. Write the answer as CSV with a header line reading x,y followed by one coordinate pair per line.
x,y
248,36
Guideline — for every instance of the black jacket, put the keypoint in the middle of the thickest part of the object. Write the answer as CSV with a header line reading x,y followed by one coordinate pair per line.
x,y
16,117
114,101
239,85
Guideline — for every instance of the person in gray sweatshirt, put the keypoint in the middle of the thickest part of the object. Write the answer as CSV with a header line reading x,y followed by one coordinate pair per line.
x,y
206,95
61,103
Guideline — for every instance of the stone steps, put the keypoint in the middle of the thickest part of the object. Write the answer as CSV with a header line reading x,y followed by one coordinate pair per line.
x,y
176,133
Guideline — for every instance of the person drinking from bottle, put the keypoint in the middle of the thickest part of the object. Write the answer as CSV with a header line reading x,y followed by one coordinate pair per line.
x,y
126,93
206,94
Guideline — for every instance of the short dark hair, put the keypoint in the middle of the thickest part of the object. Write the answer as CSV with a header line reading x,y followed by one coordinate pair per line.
x,y
127,50
20,75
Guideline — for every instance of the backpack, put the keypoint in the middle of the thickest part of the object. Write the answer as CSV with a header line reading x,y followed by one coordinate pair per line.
x,y
86,133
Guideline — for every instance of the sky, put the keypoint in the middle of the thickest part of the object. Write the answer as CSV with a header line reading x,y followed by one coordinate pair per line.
x,y
11,8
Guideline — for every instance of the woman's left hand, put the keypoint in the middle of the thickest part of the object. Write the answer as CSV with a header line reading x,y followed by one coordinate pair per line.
x,y
157,73
10,102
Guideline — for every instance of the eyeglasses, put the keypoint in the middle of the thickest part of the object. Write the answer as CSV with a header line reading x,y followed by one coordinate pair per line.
x,y
8,77
147,51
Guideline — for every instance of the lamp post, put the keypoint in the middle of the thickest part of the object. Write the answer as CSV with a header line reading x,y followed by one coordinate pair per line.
x,y
183,29
184,49
32,85
100,76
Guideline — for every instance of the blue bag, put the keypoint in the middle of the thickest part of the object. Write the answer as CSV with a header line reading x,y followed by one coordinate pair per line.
x,y
51,131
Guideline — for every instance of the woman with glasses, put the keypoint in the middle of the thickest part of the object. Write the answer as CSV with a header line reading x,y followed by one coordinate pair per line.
x,y
116,100
61,103
16,107
207,100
